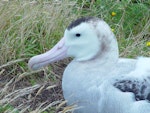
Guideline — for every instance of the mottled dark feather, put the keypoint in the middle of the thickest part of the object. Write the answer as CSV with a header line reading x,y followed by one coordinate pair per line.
x,y
141,89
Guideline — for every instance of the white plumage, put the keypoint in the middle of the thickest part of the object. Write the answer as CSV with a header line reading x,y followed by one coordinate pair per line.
x,y
97,80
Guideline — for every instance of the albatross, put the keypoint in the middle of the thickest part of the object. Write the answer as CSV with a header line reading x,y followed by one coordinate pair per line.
x,y
97,80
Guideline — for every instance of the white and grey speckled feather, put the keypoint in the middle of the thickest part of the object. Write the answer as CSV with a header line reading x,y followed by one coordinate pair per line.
x,y
137,81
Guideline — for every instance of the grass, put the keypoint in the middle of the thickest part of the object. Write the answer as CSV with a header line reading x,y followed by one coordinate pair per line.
x,y
28,28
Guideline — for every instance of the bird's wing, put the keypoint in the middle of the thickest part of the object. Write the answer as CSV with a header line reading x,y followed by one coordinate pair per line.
x,y
128,93
138,81
139,87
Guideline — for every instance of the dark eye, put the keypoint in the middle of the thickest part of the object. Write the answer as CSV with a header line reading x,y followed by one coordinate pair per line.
x,y
78,35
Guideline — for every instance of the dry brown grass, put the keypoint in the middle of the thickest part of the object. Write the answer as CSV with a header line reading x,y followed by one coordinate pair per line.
x,y
26,27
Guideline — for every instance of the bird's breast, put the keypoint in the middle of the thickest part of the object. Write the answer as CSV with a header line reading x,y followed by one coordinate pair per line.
x,y
81,87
